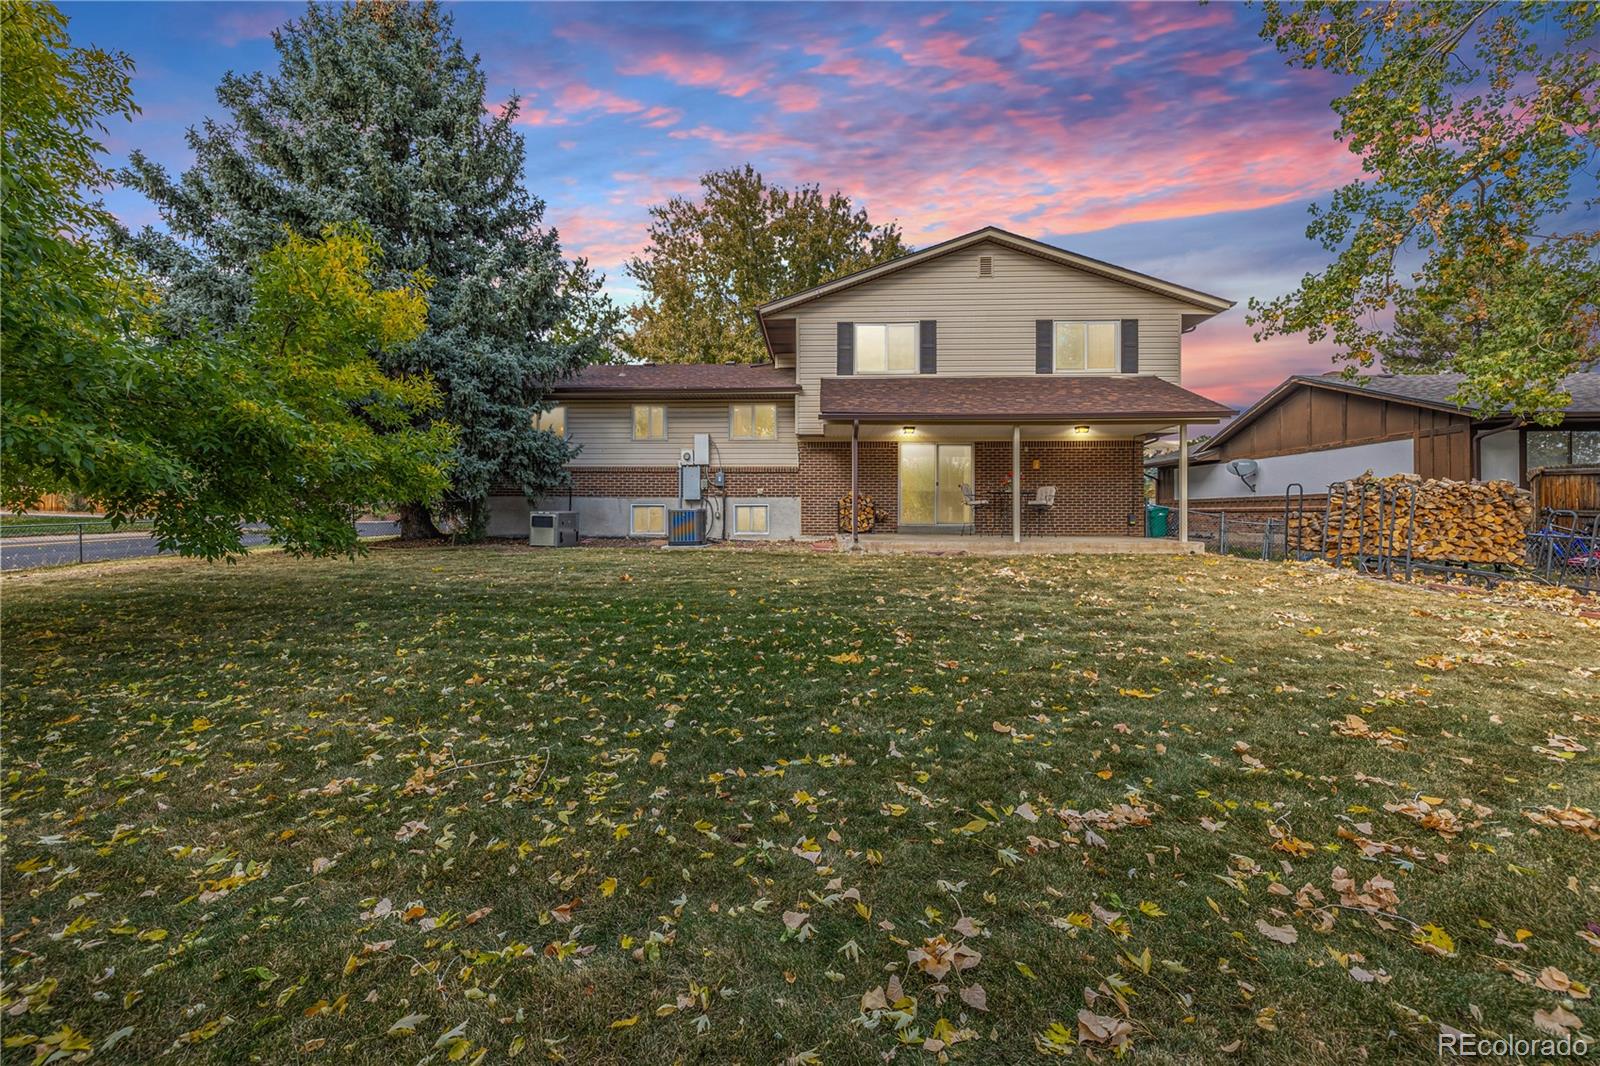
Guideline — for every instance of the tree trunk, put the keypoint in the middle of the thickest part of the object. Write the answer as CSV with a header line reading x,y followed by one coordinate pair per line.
x,y
416,523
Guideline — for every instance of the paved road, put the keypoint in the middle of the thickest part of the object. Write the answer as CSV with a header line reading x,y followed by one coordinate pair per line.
x,y
23,553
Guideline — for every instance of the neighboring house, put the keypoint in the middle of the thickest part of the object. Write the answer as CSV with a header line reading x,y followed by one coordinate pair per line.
x,y
953,371
1316,431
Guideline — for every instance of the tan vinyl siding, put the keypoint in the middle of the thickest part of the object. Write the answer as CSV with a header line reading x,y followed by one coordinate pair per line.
x,y
986,325
604,429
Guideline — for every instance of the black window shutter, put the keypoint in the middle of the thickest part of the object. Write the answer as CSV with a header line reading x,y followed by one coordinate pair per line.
x,y
1130,346
1044,350
929,339
847,348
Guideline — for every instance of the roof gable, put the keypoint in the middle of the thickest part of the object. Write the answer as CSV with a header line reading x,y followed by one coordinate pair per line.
x,y
1205,301
1430,392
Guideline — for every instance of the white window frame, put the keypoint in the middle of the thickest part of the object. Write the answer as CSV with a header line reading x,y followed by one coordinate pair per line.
x,y
916,347
544,419
752,435
1084,324
633,417
766,520
633,520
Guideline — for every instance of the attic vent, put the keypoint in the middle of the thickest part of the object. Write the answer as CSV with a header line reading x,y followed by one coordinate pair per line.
x,y
985,266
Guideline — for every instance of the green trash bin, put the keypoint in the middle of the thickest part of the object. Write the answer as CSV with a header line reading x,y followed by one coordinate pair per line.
x,y
1155,519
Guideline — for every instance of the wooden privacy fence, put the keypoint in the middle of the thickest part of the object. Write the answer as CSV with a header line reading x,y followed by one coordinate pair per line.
x,y
1566,488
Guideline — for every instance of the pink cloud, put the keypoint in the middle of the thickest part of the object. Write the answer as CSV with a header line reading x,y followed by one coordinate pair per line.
x,y
567,101
1203,64
1151,19
749,142
605,240
948,51
235,24
1222,360
795,97
702,70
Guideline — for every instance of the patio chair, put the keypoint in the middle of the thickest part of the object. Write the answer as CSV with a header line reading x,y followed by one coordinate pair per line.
x,y
975,504
1044,498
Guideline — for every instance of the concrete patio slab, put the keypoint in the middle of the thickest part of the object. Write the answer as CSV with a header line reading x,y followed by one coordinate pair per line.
x,y
897,543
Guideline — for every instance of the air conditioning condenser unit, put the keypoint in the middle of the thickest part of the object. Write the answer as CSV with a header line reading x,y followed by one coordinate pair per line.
x,y
553,529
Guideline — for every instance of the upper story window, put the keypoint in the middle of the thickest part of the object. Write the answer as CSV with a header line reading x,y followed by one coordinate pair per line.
x,y
886,348
753,421
1087,347
553,420
649,421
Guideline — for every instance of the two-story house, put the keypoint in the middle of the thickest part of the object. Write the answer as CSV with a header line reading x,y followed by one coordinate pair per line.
x,y
990,384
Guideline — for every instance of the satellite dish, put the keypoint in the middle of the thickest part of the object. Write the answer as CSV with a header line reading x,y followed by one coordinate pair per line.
x,y
1245,470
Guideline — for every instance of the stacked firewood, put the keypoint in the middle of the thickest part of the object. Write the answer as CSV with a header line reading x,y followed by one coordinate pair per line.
x,y
1480,522
866,514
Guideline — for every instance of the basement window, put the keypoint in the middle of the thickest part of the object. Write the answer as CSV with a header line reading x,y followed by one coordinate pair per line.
x,y
750,520
647,520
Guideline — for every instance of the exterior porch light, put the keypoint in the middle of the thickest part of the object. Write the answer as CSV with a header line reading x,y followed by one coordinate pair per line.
x,y
1081,431
910,431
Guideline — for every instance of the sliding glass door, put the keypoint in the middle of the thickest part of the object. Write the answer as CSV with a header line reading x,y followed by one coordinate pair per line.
x,y
931,479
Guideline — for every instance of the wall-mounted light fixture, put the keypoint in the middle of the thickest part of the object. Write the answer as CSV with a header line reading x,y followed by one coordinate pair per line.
x,y
1081,430
909,431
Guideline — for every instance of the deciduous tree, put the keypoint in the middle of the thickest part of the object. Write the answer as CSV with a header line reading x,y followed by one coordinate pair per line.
x,y
711,262
1469,243
375,114
286,419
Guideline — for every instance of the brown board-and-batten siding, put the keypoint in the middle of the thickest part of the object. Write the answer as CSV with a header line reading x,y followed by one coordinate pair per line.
x,y
1311,419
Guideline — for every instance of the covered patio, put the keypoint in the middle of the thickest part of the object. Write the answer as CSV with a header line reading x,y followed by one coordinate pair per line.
x,y
1078,440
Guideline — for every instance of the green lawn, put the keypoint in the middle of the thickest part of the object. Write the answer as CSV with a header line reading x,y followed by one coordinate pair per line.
x,y
631,806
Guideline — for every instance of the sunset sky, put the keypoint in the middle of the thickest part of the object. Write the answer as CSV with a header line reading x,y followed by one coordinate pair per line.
x,y
1166,137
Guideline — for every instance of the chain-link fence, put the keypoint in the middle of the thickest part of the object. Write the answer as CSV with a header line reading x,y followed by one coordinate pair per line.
x,y
1247,536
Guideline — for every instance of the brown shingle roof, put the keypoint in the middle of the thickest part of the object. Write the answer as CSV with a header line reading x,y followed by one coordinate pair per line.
x,y
1024,397
651,379
1440,389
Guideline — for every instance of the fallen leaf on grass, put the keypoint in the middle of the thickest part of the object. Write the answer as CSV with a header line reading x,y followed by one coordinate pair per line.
x,y
1573,819
1283,934
1435,941
1558,1020
1102,1030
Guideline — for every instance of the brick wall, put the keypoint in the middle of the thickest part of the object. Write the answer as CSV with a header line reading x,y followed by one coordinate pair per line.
x,y
825,477
1099,484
